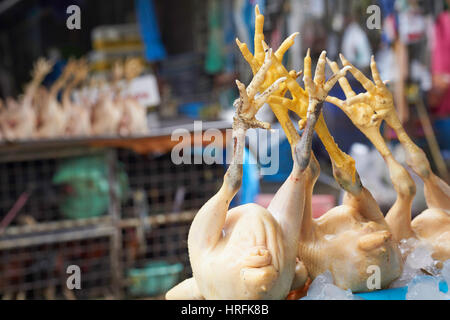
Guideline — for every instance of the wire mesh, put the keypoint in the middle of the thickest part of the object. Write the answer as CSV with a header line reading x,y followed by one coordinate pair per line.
x,y
40,271
158,189
55,211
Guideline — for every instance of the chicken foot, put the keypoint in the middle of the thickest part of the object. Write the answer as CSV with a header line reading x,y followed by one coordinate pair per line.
x,y
366,120
432,225
379,98
299,102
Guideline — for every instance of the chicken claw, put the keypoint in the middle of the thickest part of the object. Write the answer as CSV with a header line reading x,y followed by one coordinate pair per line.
x,y
318,91
249,101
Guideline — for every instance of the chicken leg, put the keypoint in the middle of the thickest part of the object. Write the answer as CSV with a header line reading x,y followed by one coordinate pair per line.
x,y
299,102
350,238
247,252
379,98
433,225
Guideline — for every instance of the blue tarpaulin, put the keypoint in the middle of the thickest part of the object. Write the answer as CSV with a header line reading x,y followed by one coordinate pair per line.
x,y
145,12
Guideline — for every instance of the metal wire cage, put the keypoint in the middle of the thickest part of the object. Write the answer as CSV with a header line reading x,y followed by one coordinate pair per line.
x,y
122,217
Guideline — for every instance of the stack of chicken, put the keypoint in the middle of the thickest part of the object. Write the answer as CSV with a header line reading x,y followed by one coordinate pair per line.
x,y
99,110
250,252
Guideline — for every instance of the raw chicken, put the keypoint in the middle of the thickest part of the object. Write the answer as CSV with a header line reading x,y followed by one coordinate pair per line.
x,y
134,115
18,120
349,238
52,118
105,114
133,118
78,114
367,111
229,259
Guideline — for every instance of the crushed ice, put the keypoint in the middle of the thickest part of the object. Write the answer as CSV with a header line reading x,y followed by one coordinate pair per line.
x,y
425,288
421,273
418,262
323,288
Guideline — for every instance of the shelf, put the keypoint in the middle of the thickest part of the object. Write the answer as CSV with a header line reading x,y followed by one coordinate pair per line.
x,y
52,226
158,140
69,230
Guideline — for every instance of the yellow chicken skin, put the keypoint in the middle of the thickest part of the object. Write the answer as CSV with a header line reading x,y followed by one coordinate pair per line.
x,y
367,111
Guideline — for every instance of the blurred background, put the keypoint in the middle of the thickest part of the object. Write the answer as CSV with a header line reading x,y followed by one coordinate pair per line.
x,y
86,175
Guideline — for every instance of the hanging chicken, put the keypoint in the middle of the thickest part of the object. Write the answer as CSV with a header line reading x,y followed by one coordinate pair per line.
x,y
78,114
134,114
105,114
52,117
18,120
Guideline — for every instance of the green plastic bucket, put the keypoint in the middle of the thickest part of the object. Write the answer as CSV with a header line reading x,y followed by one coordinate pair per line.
x,y
154,279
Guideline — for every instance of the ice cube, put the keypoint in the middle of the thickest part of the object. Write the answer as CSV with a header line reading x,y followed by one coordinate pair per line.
x,y
406,246
323,288
407,275
425,288
420,257
332,292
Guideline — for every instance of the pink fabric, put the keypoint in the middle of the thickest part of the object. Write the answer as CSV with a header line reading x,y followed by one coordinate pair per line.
x,y
441,56
320,203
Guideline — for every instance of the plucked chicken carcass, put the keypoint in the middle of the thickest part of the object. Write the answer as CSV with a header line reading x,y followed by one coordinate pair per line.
x,y
134,115
349,238
134,118
230,260
18,120
52,117
105,115
78,114
367,111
